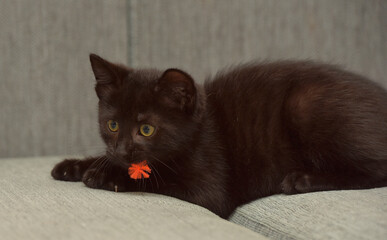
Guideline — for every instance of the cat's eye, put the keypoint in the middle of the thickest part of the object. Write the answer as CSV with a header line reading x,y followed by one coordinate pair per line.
x,y
112,125
147,130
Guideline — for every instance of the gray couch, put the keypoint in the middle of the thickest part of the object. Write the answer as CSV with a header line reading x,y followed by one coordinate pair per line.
x,y
48,108
34,206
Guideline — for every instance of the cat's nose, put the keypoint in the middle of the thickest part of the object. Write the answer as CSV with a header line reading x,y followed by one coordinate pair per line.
x,y
124,151
121,150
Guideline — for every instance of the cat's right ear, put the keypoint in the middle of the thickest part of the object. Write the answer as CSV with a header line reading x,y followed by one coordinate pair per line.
x,y
108,75
176,89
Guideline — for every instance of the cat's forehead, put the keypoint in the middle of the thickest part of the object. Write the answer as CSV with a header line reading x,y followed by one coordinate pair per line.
x,y
136,91
139,82
144,75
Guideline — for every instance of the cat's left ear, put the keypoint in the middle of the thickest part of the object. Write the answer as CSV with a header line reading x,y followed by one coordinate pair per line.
x,y
109,76
176,89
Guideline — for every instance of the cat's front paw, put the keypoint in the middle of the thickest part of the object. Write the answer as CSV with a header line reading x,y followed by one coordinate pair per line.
x,y
112,181
67,170
297,182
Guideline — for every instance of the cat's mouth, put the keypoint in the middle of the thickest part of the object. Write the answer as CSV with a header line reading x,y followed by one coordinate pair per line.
x,y
122,161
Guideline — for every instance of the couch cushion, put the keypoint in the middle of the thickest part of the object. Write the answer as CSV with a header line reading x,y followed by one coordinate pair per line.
x,y
34,206
360,214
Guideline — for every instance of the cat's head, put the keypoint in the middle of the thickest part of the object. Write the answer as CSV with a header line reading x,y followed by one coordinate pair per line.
x,y
146,114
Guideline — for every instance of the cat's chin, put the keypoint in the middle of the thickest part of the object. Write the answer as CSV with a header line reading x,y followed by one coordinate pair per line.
x,y
123,162
119,161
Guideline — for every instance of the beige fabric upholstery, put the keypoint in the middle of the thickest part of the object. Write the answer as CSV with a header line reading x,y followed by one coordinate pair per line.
x,y
34,206
351,215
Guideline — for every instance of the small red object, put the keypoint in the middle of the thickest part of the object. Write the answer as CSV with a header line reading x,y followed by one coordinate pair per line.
x,y
139,170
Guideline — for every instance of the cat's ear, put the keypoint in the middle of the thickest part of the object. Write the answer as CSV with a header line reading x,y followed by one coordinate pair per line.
x,y
176,89
108,75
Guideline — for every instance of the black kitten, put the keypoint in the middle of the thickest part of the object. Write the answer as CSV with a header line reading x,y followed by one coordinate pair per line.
x,y
257,130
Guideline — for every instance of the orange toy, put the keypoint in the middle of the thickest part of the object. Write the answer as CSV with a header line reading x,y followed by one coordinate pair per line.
x,y
139,170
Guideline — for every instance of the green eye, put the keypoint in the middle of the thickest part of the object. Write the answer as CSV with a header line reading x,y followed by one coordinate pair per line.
x,y
146,130
113,125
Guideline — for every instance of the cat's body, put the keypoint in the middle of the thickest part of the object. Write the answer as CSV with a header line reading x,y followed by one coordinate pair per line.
x,y
257,130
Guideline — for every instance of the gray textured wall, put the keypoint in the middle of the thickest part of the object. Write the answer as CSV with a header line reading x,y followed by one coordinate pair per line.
x,y
47,101
204,36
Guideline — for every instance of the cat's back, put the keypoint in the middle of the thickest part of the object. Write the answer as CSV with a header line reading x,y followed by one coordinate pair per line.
x,y
255,93
262,76
258,106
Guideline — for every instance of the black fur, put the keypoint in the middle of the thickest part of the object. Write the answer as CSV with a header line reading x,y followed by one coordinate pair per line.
x,y
257,130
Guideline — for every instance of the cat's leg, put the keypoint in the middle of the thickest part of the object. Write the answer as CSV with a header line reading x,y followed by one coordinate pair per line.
x,y
98,172
109,176
303,182
72,169
106,175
